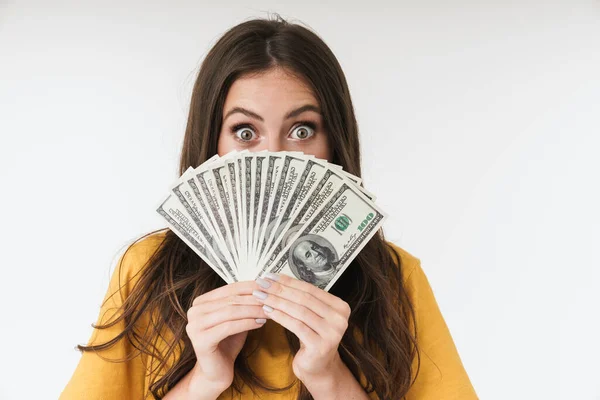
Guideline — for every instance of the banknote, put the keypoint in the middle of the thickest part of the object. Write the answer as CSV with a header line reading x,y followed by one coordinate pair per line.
x,y
247,213
293,166
328,185
181,223
311,174
327,243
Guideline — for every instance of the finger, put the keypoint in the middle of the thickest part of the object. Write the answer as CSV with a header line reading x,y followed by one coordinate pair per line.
x,y
305,334
320,325
216,334
301,285
333,301
210,306
297,296
332,315
237,288
229,313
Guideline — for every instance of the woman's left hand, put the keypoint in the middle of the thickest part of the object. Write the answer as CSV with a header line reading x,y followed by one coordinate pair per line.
x,y
319,319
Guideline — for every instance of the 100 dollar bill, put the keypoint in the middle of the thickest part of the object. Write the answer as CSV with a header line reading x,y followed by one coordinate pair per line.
x,y
329,241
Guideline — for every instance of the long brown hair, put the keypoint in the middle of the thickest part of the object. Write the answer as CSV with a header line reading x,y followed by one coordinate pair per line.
x,y
380,342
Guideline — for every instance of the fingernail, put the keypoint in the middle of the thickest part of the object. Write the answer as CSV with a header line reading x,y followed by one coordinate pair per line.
x,y
260,320
271,276
259,294
262,283
267,308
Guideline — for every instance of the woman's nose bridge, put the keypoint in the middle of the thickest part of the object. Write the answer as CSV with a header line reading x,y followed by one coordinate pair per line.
x,y
274,142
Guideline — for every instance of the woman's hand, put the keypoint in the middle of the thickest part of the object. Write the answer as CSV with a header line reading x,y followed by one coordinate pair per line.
x,y
319,319
218,324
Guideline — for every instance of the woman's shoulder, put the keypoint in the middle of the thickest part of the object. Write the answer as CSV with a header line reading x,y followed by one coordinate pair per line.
x,y
408,262
142,248
135,258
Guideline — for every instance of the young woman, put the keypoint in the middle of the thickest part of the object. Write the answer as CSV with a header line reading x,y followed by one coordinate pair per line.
x,y
170,328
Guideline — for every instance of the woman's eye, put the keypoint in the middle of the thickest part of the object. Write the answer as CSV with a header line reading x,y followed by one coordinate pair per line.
x,y
243,133
303,131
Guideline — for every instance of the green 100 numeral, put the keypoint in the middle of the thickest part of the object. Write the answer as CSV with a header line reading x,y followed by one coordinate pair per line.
x,y
365,222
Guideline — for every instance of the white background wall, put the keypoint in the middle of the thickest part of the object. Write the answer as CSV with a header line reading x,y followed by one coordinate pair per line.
x,y
480,126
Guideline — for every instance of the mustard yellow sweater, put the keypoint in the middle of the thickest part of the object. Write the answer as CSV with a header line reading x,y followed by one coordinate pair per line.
x,y
441,376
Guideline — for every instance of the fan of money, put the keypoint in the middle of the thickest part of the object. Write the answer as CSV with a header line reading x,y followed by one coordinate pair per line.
x,y
249,213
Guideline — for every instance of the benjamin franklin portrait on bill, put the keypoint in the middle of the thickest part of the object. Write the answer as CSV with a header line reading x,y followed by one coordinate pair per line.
x,y
313,259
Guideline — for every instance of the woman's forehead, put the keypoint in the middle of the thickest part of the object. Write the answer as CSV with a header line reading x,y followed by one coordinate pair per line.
x,y
272,90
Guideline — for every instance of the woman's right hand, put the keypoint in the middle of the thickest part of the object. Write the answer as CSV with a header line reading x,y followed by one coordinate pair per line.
x,y
218,324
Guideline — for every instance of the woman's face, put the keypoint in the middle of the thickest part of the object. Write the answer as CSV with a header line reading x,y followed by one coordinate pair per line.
x,y
273,111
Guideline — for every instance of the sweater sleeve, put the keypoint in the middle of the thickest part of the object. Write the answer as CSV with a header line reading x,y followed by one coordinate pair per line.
x,y
442,375
99,375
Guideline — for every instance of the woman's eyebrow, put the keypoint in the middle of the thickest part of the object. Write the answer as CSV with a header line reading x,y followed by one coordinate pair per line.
x,y
291,114
300,110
